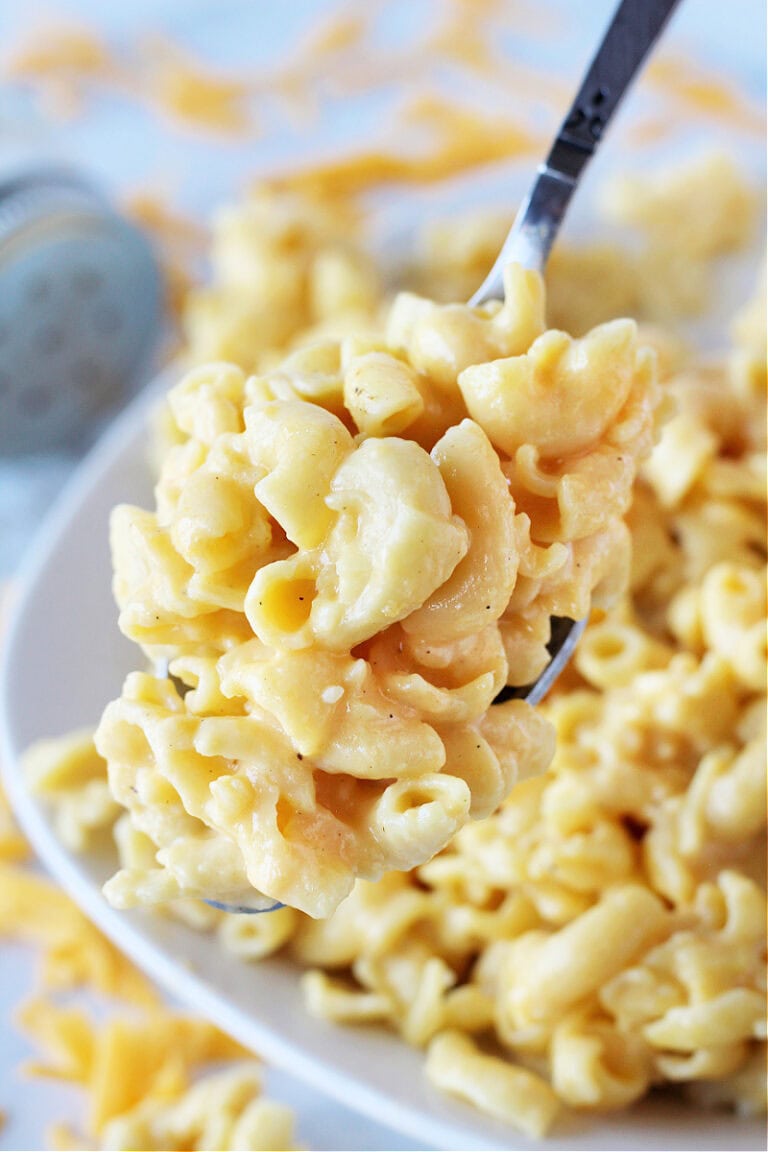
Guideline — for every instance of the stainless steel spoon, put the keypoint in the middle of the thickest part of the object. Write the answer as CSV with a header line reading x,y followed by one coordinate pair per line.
x,y
634,29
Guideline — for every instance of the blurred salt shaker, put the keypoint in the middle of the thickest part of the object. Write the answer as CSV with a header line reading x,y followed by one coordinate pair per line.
x,y
80,314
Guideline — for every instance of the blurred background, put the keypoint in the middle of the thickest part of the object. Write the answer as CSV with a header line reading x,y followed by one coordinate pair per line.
x,y
173,108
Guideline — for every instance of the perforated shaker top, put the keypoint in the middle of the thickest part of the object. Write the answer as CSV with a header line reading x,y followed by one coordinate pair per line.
x,y
80,309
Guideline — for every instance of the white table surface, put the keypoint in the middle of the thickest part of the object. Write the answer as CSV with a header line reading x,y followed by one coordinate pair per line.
x,y
124,150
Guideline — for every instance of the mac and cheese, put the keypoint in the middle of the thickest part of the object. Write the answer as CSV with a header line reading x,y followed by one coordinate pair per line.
x,y
352,554
602,930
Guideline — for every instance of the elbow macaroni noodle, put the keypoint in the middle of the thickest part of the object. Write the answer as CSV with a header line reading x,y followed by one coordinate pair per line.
x,y
600,931
344,587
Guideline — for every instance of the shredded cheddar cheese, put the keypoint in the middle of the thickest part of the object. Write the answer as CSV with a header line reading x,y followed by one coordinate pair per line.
x,y
63,51
192,92
144,1068
701,94
74,953
463,140
13,846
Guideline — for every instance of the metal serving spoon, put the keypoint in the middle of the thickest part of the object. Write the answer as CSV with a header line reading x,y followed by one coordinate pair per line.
x,y
634,29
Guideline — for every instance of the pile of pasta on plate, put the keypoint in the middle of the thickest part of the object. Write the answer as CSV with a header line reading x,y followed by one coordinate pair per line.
x,y
367,513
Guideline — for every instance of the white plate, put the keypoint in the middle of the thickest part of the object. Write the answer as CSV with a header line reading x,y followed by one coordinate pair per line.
x,y
64,658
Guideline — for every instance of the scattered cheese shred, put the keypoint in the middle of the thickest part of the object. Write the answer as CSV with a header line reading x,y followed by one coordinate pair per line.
x,y
196,95
465,140
701,94
13,846
75,954
66,1037
144,1072
143,1067
335,34
135,1059
147,1083
62,1138
59,63
62,51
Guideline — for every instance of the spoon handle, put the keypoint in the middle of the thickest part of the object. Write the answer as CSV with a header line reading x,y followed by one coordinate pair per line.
x,y
635,26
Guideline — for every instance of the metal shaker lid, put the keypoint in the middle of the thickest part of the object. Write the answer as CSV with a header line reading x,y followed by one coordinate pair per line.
x,y
80,310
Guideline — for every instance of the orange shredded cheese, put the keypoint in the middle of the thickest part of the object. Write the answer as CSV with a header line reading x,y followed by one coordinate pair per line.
x,y
338,33
464,40
701,94
59,63
465,140
75,954
61,1138
64,51
196,95
134,1059
66,1037
13,846
149,1063
126,1060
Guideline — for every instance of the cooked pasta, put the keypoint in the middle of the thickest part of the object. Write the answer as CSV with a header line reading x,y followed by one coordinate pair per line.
x,y
617,903
600,930
345,589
